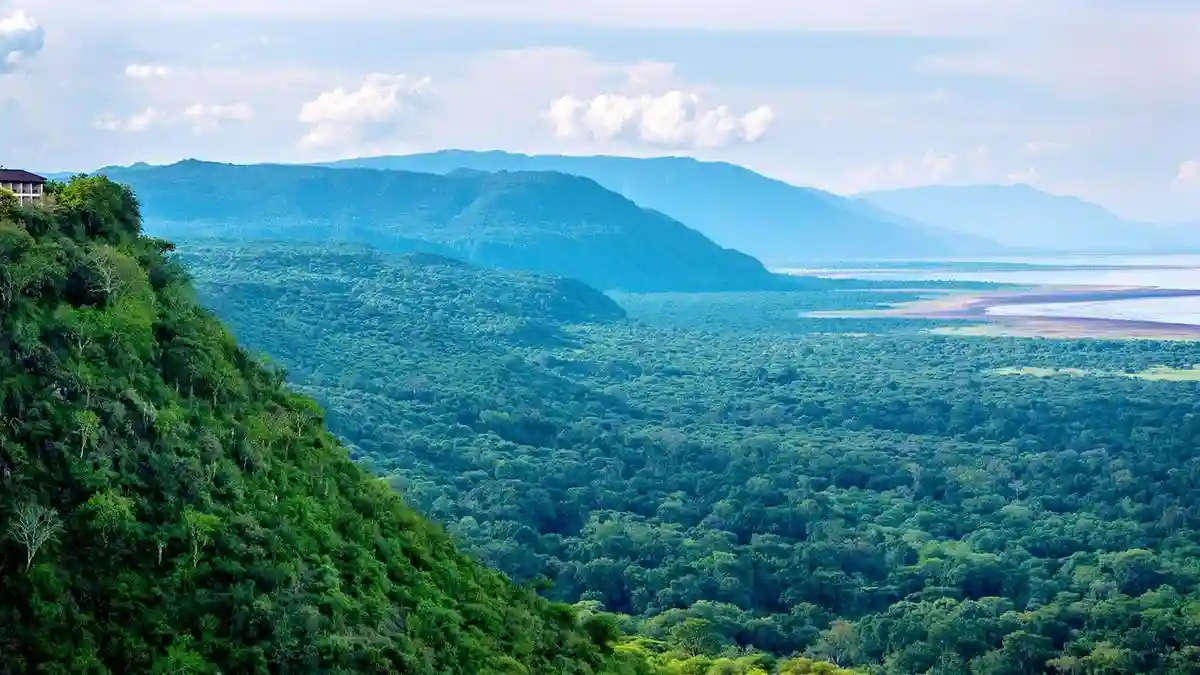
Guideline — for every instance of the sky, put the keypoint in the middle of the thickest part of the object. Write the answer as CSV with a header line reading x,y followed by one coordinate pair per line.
x,y
1094,98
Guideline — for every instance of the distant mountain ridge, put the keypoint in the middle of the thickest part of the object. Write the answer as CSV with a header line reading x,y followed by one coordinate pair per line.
x,y
776,222
545,222
1023,216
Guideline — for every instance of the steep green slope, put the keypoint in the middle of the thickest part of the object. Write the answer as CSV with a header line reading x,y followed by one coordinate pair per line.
x,y
166,505
774,221
545,222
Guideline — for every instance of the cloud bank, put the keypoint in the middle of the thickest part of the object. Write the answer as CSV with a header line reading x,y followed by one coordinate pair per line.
x,y
342,117
1189,173
135,123
205,118
675,119
200,117
21,38
146,71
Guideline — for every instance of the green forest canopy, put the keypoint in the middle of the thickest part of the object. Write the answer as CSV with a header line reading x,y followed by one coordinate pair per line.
x,y
729,475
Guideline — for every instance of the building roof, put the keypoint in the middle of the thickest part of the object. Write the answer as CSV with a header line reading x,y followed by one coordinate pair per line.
x,y
19,176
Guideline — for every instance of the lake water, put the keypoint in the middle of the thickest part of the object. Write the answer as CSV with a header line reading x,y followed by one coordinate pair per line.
x,y
1167,271
1158,310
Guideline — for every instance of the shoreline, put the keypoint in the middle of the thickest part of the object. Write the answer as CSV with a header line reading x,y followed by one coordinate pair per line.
x,y
973,307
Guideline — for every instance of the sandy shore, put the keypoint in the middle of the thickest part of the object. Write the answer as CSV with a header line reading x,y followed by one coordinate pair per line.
x,y
973,307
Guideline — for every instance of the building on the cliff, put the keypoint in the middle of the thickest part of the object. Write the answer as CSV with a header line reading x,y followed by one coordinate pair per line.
x,y
27,186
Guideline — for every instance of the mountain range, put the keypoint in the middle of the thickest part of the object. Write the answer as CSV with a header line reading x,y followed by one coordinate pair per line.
x,y
780,223
536,221
1022,216
774,221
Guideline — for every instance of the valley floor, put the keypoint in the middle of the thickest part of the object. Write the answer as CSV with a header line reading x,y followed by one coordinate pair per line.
x,y
733,476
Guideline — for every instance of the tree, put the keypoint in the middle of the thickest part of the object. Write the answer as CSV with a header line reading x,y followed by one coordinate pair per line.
x,y
111,272
840,643
33,527
695,636
200,527
87,428
110,511
9,202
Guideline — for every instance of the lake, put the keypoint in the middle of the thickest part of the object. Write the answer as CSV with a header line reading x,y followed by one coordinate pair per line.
x,y
1163,271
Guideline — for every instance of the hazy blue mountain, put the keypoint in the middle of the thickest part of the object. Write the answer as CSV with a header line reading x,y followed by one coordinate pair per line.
x,y
1023,216
774,221
538,221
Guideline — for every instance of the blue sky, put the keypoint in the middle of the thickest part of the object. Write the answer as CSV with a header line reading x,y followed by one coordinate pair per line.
x,y
1096,98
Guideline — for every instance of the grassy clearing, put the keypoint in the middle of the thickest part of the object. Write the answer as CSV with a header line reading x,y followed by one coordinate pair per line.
x,y
1015,327
1157,373
1168,374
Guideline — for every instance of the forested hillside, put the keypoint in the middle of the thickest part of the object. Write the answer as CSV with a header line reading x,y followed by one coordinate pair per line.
x,y
167,505
772,220
539,221
898,502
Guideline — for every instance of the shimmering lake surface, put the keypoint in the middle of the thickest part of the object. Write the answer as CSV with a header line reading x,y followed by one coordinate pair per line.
x,y
1167,271
1158,310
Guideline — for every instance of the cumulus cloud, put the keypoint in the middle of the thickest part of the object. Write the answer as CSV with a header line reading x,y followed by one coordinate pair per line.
x,y
146,71
204,118
342,117
21,37
201,117
1189,173
135,123
675,119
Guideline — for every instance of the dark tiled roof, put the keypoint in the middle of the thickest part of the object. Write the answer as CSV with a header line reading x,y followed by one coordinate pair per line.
x,y
19,176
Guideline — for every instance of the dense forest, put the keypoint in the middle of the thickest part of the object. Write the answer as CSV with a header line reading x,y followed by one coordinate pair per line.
x,y
540,221
730,476
168,505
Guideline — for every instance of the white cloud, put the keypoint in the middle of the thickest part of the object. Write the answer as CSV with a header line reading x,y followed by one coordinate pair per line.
x,y
201,117
1043,147
980,159
938,166
1026,176
933,167
879,176
134,123
1189,173
342,117
650,74
672,120
21,37
146,71
206,118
